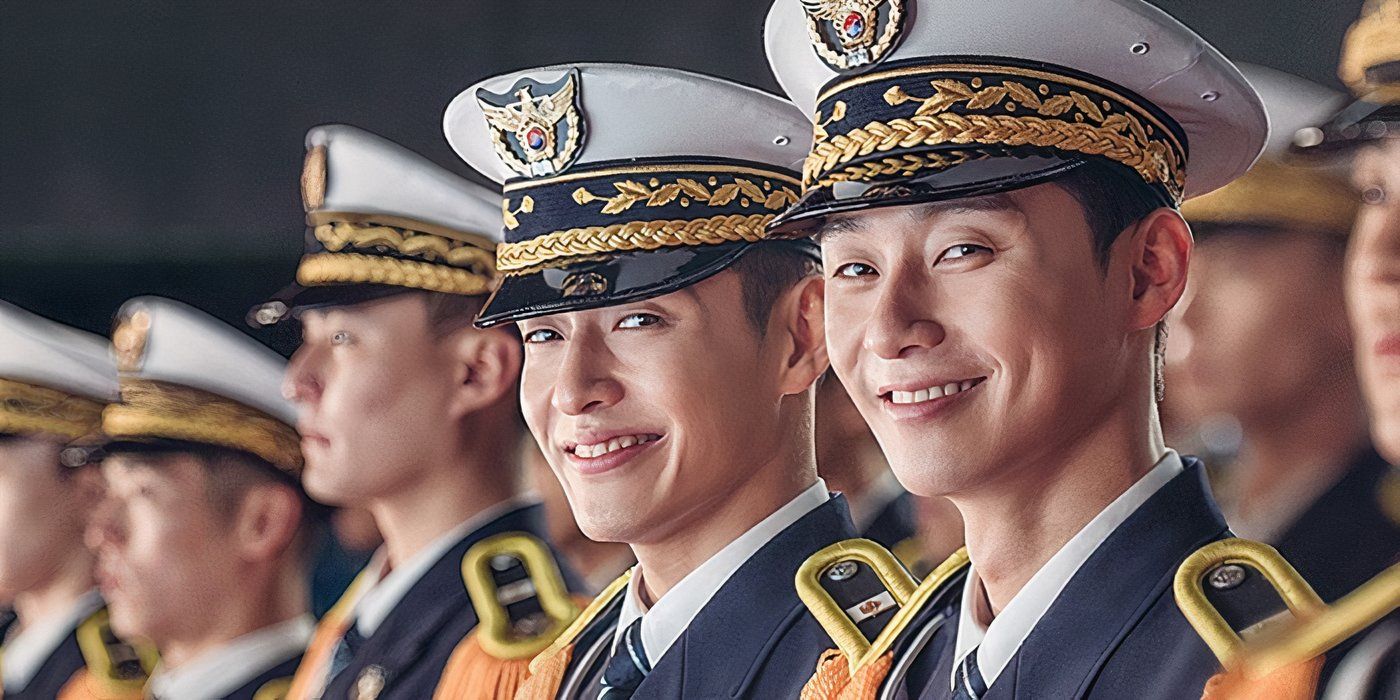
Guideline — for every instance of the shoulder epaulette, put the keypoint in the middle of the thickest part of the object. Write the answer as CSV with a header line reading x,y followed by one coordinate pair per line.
x,y
519,648
518,593
1205,580
113,668
864,598
1237,589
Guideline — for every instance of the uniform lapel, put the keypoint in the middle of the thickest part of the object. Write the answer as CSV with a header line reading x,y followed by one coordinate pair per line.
x,y
1119,583
438,600
737,633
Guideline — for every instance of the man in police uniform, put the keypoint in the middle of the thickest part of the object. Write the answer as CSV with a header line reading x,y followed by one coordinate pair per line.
x,y
407,411
1266,282
54,381
203,540
994,185
670,360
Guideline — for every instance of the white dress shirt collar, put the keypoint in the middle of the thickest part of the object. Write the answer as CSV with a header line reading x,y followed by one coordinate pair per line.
x,y
664,622
997,643
222,670
381,597
37,640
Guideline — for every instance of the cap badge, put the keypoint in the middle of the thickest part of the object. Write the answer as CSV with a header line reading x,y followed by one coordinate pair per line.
x,y
129,340
853,33
535,134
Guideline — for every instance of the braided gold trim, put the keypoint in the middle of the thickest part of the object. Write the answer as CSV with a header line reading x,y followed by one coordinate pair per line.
x,y
630,236
648,169
151,409
902,165
1086,127
355,268
430,247
27,408
689,191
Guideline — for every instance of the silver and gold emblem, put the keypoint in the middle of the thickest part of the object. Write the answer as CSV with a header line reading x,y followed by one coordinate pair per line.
x,y
853,33
536,128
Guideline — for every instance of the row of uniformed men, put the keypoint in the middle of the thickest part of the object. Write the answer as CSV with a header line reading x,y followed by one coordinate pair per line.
x,y
999,243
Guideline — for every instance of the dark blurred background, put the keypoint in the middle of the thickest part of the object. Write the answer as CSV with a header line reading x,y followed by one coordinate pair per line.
x,y
155,147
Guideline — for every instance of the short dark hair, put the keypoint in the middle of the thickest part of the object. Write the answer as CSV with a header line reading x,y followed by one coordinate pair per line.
x,y
768,270
1112,197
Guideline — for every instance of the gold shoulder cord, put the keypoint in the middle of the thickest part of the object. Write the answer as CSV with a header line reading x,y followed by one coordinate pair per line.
x,y
276,689
580,623
95,643
1189,588
496,636
853,645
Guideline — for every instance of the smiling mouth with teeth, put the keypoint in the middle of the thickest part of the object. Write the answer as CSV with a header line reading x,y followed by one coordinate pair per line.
x,y
622,442
931,393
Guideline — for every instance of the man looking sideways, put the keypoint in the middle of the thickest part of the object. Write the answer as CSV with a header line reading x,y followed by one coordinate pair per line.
x,y
669,365
996,207
406,410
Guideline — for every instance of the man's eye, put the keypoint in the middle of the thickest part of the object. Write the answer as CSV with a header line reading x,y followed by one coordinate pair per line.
x,y
639,320
963,250
340,338
1375,194
854,270
542,335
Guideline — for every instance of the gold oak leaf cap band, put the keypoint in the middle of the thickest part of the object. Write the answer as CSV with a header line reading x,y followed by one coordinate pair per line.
x,y
1370,66
187,377
1282,192
926,100
383,219
623,182
54,380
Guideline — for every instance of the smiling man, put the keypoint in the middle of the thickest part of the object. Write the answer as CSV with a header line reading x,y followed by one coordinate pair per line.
x,y
407,411
670,360
996,206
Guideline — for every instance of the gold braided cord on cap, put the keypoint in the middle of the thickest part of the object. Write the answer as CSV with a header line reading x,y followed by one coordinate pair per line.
x,y
1015,111
1275,194
153,409
357,268
27,408
1374,40
901,165
427,246
631,236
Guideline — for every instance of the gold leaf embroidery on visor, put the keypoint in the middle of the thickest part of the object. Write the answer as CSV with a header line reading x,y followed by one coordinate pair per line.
x,y
1073,122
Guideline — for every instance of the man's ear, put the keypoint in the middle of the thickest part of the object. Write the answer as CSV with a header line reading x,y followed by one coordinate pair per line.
x,y
1159,247
487,363
265,524
800,320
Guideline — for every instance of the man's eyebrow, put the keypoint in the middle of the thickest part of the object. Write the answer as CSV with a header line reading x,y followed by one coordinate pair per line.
x,y
833,228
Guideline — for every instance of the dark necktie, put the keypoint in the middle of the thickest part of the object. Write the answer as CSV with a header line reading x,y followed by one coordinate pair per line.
x,y
967,682
627,667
